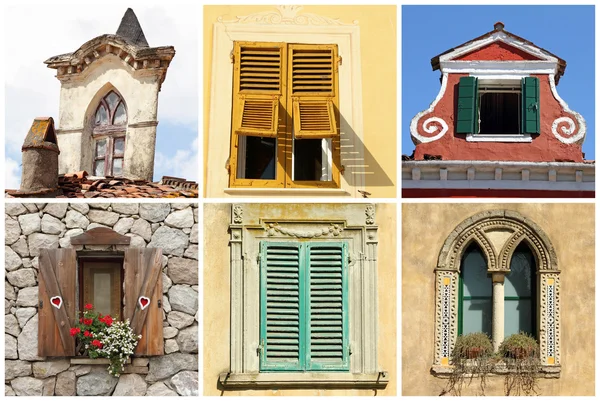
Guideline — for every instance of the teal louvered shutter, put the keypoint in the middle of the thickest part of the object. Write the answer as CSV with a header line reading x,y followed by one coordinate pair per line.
x,y
467,108
530,115
282,304
327,338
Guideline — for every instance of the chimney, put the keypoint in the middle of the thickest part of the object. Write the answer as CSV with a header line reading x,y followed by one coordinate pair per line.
x,y
40,158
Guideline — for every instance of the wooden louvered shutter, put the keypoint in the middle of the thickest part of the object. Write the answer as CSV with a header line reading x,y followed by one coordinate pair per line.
x,y
530,115
143,278
313,82
282,304
57,278
258,86
327,344
467,110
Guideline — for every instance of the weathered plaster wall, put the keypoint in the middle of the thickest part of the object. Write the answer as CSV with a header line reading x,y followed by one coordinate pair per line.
x,y
544,147
570,228
78,102
171,227
216,276
378,63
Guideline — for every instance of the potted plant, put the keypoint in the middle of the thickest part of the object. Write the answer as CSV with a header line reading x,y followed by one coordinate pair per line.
x,y
520,354
470,358
98,336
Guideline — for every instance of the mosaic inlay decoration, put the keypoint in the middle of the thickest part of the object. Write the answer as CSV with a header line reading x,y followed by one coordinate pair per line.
x,y
446,319
550,326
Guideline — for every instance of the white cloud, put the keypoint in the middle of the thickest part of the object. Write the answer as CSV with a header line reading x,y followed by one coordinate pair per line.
x,y
184,164
12,174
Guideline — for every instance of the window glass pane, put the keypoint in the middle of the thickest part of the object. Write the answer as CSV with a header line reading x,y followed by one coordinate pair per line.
x,y
119,145
120,115
101,116
518,282
517,316
102,292
477,316
112,99
99,168
309,160
259,158
117,167
499,113
100,148
476,281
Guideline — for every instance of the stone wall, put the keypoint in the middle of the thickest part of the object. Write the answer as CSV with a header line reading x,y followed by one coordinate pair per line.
x,y
171,227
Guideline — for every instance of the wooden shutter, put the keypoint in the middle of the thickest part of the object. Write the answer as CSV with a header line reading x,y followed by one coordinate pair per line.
x,y
467,110
282,303
57,278
327,345
258,85
143,278
530,100
313,82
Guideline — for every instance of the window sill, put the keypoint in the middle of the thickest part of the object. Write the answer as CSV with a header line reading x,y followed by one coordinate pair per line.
x,y
547,372
312,380
291,192
94,361
499,138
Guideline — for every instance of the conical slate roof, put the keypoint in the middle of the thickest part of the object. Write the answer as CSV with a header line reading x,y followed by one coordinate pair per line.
x,y
130,29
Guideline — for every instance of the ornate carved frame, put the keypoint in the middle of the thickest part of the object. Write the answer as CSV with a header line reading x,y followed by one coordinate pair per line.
x,y
245,304
517,228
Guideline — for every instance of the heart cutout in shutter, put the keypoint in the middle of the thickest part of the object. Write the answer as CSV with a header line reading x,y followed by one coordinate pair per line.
x,y
56,302
144,302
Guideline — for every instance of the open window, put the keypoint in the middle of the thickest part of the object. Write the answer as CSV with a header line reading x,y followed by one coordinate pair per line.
x,y
498,109
110,126
113,281
285,120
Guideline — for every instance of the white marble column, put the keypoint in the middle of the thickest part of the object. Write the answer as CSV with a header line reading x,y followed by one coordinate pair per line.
x,y
498,310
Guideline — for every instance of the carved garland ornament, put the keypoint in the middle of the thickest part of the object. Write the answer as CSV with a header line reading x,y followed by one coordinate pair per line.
x,y
285,15
332,230
447,276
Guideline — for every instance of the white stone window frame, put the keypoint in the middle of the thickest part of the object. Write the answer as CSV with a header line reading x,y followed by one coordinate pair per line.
x,y
509,80
244,371
286,25
479,229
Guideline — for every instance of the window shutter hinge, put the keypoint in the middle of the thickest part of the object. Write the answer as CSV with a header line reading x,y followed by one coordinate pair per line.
x,y
228,167
41,304
349,349
258,259
342,169
261,347
232,57
340,60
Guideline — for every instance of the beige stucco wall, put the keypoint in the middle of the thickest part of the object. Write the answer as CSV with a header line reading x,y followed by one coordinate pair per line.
x,y
216,271
378,76
79,99
570,228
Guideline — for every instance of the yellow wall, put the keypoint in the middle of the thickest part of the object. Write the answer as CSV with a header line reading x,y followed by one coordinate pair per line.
x,y
378,63
570,228
217,306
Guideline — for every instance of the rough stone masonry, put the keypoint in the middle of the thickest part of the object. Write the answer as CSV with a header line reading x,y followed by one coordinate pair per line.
x,y
171,227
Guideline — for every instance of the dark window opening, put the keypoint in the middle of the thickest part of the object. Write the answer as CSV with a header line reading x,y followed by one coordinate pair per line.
x,y
260,158
308,156
499,113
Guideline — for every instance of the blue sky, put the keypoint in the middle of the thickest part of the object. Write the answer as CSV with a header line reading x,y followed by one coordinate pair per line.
x,y
566,31
32,90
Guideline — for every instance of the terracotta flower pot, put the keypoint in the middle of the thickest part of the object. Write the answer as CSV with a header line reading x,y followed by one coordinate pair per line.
x,y
474,352
521,352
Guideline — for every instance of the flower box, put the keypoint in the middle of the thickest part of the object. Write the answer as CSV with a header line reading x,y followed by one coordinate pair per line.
x,y
93,361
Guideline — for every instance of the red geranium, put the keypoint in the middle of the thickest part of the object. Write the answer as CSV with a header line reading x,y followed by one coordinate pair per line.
x,y
97,343
74,331
88,322
89,306
107,320
87,333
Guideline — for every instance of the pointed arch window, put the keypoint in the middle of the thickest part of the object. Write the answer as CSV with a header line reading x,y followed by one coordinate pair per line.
x,y
519,293
475,293
110,126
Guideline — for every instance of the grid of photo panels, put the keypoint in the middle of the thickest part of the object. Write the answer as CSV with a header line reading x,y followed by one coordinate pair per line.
x,y
498,217
230,200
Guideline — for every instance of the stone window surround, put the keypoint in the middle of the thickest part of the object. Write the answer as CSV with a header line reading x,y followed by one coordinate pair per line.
x,y
477,228
245,303
284,25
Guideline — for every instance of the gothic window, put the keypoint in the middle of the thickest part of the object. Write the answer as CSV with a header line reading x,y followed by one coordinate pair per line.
x,y
475,293
110,125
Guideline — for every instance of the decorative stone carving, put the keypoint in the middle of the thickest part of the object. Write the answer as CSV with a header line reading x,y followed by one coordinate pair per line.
x,y
370,212
238,214
285,15
478,229
333,230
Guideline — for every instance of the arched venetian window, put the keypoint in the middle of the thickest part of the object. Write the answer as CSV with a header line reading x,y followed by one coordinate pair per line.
x,y
475,293
110,126
519,293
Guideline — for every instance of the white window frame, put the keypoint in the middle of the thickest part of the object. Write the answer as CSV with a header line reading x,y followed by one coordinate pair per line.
x,y
244,242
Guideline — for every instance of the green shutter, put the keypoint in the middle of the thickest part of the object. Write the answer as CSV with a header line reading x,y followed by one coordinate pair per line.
x,y
467,108
530,115
304,306
328,298
282,303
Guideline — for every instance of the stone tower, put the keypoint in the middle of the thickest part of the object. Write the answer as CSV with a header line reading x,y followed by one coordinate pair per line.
x,y
108,103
